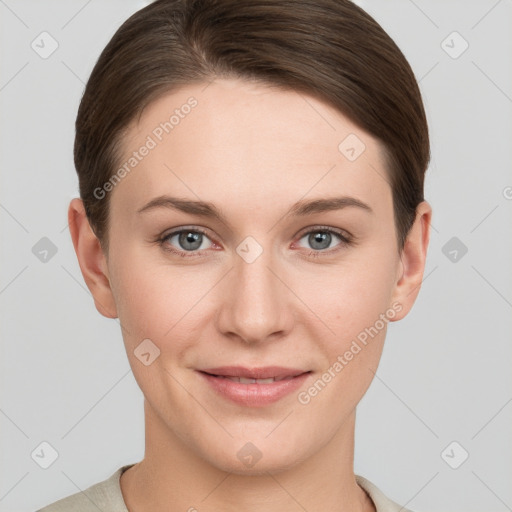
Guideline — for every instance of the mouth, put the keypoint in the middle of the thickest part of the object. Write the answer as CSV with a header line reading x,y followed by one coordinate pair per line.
x,y
254,387
245,380
262,375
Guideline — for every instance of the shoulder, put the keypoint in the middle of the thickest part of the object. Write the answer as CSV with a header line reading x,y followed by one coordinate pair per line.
x,y
105,496
382,503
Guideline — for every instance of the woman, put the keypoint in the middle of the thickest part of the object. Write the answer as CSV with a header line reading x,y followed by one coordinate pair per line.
x,y
251,209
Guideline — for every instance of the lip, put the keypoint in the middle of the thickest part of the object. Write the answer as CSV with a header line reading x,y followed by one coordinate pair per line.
x,y
221,380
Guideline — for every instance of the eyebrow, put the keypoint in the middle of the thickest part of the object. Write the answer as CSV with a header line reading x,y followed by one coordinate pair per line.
x,y
299,209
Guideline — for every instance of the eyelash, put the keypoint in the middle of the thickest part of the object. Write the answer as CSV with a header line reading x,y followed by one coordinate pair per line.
x,y
345,240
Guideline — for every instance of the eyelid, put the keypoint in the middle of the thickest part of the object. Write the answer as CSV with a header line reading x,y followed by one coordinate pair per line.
x,y
175,231
316,227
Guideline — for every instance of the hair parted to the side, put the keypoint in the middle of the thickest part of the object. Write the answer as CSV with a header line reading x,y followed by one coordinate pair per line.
x,y
330,49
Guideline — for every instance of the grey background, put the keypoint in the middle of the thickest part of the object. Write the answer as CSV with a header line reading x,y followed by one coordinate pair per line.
x,y
446,372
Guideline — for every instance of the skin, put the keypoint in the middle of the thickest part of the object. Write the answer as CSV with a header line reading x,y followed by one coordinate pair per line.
x,y
253,151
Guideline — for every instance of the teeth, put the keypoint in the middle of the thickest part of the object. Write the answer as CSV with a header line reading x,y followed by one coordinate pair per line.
x,y
263,381
244,380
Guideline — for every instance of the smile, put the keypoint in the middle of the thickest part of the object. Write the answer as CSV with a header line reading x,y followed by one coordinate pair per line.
x,y
257,387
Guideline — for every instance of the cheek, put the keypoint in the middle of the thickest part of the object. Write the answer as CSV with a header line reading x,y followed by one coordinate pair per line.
x,y
158,301
352,296
354,304
140,300
140,294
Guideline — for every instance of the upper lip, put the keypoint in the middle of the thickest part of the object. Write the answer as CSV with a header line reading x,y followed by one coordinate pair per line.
x,y
266,372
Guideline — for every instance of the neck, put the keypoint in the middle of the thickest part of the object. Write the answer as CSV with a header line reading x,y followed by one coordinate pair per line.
x,y
172,477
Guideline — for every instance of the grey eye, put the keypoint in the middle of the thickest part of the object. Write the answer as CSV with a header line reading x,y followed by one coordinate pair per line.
x,y
188,239
320,239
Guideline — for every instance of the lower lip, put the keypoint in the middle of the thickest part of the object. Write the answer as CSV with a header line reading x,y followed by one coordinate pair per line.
x,y
254,395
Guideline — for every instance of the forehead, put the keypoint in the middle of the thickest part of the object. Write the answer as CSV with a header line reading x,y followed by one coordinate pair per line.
x,y
248,145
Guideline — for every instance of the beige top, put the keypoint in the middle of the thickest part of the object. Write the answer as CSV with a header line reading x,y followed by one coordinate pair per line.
x,y
107,497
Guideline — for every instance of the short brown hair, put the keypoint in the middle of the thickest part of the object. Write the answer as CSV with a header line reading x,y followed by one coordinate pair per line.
x,y
330,49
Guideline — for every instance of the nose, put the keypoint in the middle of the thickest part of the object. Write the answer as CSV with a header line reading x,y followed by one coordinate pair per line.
x,y
256,305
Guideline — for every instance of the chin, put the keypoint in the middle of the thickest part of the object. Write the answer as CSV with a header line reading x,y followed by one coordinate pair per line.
x,y
248,458
262,467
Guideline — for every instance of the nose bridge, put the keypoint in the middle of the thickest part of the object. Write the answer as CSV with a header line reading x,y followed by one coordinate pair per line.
x,y
254,305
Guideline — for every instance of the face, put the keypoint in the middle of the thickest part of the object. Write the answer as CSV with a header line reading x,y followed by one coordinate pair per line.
x,y
267,282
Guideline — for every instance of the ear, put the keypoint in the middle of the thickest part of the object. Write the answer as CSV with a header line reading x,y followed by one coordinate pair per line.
x,y
412,261
91,259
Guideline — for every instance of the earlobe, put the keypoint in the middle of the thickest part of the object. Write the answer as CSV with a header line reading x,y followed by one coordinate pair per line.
x,y
91,259
412,260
